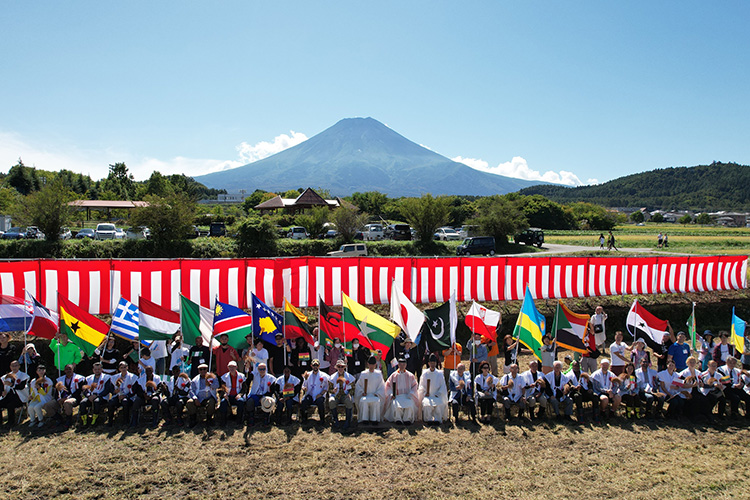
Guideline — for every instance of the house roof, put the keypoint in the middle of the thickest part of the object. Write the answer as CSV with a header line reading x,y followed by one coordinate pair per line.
x,y
108,204
308,198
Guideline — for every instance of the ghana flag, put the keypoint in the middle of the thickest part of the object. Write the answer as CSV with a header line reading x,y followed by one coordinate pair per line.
x,y
570,328
530,326
295,324
358,322
83,329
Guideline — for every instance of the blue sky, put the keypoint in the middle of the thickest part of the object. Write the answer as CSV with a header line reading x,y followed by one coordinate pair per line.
x,y
594,90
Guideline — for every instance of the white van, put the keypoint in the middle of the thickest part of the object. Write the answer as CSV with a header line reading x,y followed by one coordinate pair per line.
x,y
350,250
373,232
297,233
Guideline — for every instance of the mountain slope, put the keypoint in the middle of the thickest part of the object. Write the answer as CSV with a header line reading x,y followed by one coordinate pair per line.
x,y
362,154
718,186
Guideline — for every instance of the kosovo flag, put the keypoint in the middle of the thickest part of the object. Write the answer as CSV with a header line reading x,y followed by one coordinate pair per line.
x,y
266,322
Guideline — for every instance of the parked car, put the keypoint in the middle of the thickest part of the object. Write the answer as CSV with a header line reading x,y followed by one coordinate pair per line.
x,y
398,232
15,233
478,245
86,232
447,234
532,236
138,233
65,233
350,250
373,232
194,232
331,234
297,233
217,229
33,233
105,232
467,231
119,233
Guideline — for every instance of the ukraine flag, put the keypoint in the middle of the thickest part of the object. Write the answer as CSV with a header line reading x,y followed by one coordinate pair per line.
x,y
738,334
530,326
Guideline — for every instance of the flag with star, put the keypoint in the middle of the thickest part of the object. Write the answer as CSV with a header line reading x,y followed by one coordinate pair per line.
x,y
372,331
83,329
644,325
266,322
233,322
439,326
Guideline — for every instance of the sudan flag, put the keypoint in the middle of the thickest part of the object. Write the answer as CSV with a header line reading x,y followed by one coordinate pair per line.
x,y
295,324
570,328
360,323
530,326
83,329
330,325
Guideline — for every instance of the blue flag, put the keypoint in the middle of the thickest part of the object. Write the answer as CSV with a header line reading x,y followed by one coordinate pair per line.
x,y
125,321
266,322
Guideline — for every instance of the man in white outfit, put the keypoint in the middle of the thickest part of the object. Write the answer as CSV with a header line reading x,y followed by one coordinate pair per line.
x,y
433,394
401,396
370,394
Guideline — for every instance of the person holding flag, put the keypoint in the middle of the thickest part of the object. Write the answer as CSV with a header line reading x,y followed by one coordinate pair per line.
x,y
288,389
487,323
224,354
65,352
231,325
300,357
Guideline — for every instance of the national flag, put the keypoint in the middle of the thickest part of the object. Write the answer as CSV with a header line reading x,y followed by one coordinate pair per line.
x,y
196,321
83,329
570,329
304,356
530,326
234,322
295,324
44,323
330,325
483,321
125,320
287,392
692,330
436,330
642,324
359,322
156,322
404,313
266,322
738,333
15,314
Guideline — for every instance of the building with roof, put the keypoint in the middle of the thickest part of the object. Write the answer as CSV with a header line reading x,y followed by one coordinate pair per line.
x,y
305,201
107,205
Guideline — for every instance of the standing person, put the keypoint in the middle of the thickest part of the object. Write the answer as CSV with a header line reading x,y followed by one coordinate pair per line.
x,y
618,352
659,240
146,360
598,325
662,352
679,352
8,352
451,360
108,355
178,354
381,364
611,242
601,241
258,356
723,350
65,351
549,353
706,350
358,360
160,355
666,240
223,354
510,347
300,357
277,356
638,353
198,355
335,354
478,353
29,359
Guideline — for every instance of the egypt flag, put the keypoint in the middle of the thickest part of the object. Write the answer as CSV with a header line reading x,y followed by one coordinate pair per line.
x,y
570,328
156,322
644,325
330,325
83,329
404,313
483,321
295,324
358,322
44,323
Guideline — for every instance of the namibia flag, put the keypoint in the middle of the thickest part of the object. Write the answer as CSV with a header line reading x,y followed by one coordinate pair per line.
x,y
83,329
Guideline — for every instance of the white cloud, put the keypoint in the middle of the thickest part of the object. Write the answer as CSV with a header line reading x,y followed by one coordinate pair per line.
x,y
96,162
518,168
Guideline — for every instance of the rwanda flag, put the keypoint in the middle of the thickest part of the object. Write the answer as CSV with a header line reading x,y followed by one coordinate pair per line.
x,y
83,329
738,333
295,324
530,326
266,322
232,322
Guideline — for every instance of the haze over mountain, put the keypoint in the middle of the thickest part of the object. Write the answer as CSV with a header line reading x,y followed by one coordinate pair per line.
x,y
718,186
362,154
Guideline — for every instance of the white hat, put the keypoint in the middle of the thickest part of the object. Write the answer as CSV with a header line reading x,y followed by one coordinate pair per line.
x,y
232,363
268,404
605,360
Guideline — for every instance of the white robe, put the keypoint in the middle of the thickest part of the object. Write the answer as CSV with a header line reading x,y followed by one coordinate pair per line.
x,y
370,404
405,406
434,404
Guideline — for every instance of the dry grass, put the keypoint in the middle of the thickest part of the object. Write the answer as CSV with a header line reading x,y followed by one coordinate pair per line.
x,y
620,460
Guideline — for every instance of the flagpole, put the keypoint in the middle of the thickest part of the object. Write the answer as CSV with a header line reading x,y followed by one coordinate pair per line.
x,y
283,331
25,333
59,319
474,357
211,341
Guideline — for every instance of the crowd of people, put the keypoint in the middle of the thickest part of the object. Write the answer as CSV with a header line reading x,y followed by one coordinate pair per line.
x,y
296,381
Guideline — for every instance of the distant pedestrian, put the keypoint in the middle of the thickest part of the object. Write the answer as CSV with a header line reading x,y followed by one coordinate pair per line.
x,y
666,240
601,241
611,242
659,240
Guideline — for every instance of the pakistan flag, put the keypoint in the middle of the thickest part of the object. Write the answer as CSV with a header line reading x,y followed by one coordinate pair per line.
x,y
439,329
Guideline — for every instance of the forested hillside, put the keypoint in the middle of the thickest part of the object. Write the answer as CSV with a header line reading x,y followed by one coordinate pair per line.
x,y
718,186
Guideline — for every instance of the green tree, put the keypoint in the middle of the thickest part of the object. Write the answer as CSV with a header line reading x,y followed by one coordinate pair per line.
x,y
546,214
120,182
313,220
500,216
158,185
657,218
703,219
425,214
257,237
19,178
348,221
637,216
590,216
169,219
372,202
256,198
48,209
685,219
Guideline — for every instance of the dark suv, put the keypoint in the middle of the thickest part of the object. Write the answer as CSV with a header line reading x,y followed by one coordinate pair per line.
x,y
478,245
532,236
398,232
217,229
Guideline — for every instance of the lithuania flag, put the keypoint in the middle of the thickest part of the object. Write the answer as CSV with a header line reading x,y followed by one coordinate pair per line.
x,y
358,322
530,326
295,324
83,329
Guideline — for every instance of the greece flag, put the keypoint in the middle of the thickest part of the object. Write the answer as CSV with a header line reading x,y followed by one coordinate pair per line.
x,y
125,320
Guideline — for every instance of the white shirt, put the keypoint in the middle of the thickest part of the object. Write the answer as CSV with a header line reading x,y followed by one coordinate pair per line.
x,y
602,381
21,377
156,379
437,384
100,384
555,386
159,349
43,394
599,319
177,355
575,381
666,382
315,384
529,380
375,384
239,380
262,384
349,381
126,386
646,380
259,357
615,349
455,379
516,392
281,382
487,384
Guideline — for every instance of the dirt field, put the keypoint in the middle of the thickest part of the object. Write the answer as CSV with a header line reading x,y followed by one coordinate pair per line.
x,y
616,460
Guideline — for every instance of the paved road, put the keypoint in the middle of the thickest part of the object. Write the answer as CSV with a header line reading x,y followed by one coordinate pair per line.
x,y
555,249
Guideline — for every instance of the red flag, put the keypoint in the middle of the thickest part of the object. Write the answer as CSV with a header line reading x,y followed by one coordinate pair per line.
x,y
44,322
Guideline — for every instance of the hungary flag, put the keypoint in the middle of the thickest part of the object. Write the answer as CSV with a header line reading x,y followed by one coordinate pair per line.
x,y
530,326
570,328
438,325
155,322
83,329
360,323
295,324
196,321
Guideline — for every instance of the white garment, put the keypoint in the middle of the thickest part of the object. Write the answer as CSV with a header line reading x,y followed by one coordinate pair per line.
x,y
159,349
602,381
281,382
100,384
23,394
435,403
315,384
615,349
177,355
369,404
646,380
666,379
405,405
515,393
599,319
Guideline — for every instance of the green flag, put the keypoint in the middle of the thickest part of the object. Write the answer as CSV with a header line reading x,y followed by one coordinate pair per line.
x,y
195,321
692,330
436,329
530,326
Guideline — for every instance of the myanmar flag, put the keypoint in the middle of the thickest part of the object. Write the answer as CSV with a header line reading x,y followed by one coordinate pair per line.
x,y
155,322
570,328
83,329
330,325
530,326
358,322
295,324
